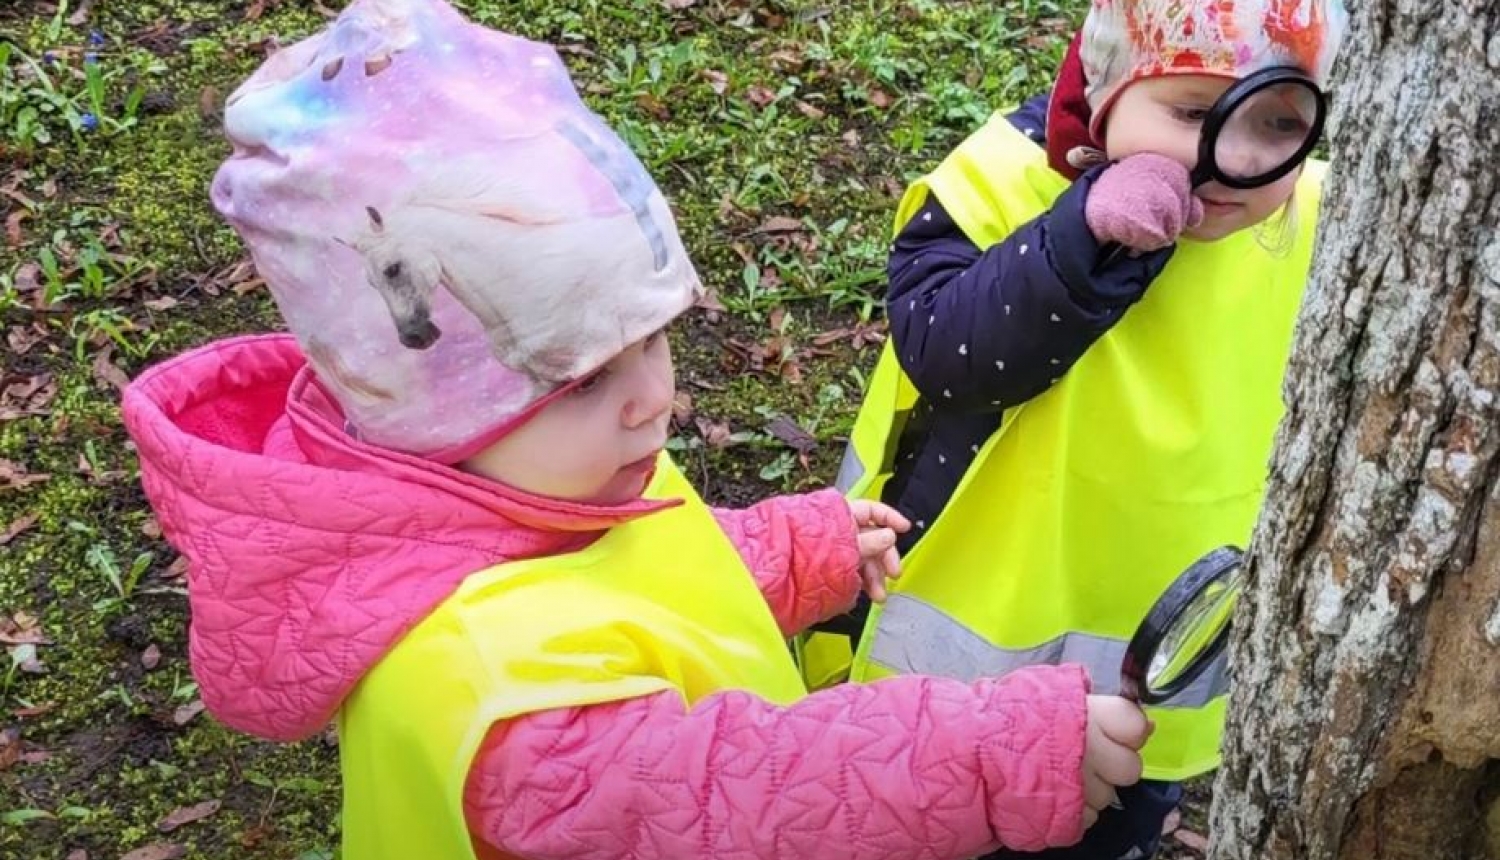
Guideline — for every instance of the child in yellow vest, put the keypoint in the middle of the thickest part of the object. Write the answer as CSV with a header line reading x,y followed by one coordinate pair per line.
x,y
438,511
1069,426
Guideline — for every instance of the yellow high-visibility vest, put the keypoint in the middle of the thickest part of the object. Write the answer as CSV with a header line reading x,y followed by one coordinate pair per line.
x,y
1086,503
660,603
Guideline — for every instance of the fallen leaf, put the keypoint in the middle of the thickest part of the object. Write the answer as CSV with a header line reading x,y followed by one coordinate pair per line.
x,y
177,569
1171,822
679,4
653,106
165,303
256,9
36,757
13,234
24,657
10,747
22,629
1189,839
185,714
159,851
715,434
108,372
682,407
80,15
77,854
151,657
22,338
709,301
27,396
15,477
791,433
851,138
151,528
780,224
717,81
810,111
880,98
34,710
208,102
759,96
15,529
187,815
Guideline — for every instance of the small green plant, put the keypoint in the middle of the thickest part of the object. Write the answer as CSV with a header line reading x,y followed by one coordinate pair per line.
x,y
69,91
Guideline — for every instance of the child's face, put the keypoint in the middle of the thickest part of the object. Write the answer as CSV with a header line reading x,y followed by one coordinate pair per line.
x,y
597,443
1164,115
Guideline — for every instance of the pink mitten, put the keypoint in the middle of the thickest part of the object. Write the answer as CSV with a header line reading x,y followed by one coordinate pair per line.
x,y
1144,202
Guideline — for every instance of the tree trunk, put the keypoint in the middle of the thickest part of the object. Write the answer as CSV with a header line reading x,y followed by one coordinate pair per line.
x,y
1365,717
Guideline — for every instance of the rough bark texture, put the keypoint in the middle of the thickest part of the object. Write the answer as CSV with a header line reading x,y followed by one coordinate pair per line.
x,y
1365,718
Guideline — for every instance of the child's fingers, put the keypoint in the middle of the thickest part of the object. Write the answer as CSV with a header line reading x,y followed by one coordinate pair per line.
x,y
876,542
889,517
868,514
874,581
891,561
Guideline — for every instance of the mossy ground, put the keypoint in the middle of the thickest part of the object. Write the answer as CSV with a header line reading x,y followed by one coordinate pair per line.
x,y
744,111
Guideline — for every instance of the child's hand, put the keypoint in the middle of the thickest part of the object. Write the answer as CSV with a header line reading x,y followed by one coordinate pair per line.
x,y
878,526
1144,202
1117,730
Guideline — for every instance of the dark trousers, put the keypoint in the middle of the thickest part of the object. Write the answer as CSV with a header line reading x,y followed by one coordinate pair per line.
x,y
1131,832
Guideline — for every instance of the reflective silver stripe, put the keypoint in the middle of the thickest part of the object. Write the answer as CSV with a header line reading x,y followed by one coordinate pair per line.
x,y
914,637
850,470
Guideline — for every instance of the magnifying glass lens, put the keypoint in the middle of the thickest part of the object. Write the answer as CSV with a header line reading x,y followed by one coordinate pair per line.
x,y
1197,631
1268,131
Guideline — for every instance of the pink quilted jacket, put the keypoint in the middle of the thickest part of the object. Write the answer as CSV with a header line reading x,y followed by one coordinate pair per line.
x,y
313,554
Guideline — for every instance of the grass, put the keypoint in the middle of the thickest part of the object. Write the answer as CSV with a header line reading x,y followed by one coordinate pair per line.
x,y
783,132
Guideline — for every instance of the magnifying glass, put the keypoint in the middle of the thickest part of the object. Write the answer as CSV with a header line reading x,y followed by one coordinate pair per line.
x,y
1185,631
1256,132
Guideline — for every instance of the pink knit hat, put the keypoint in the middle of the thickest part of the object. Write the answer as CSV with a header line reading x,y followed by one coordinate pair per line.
x,y
1124,41
449,232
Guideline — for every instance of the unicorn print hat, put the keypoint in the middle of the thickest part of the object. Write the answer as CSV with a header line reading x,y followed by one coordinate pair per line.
x,y
449,232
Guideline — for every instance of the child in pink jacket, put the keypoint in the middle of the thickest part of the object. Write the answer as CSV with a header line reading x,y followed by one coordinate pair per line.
x,y
476,274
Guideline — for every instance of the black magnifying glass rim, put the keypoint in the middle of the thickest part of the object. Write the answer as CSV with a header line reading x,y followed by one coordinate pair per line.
x,y
1219,113
1213,567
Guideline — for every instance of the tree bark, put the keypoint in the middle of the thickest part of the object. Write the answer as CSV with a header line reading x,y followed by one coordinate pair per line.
x,y
1365,713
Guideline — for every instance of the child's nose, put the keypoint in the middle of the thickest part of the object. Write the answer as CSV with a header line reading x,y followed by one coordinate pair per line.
x,y
653,392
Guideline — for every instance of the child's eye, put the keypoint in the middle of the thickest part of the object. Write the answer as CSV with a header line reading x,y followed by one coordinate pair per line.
x,y
1189,113
589,383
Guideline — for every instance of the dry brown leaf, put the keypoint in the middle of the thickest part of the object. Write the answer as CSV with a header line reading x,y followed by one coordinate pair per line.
x,y
14,476
810,111
151,528
791,433
15,529
77,854
13,235
880,98
679,4
715,434
177,569
10,747
257,9
108,372
159,851
151,657
165,303
185,714
682,407
780,224
187,815
1195,841
717,81
22,338
34,710
759,96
